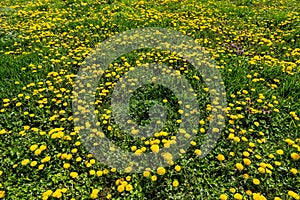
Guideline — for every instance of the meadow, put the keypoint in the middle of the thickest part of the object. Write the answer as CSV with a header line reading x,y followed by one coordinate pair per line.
x,y
256,48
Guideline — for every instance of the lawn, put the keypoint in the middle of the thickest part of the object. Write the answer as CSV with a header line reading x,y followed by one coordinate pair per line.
x,y
51,149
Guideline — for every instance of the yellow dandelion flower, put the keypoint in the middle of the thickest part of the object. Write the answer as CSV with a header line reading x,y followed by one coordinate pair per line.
x,y
295,156
99,173
154,178
33,147
279,152
220,157
25,162
66,165
33,163
146,174
223,197
2,193
94,193
238,196
239,166
161,171
121,188
232,190
37,152
247,161
177,168
256,181
294,170
198,152
175,183
129,187
74,174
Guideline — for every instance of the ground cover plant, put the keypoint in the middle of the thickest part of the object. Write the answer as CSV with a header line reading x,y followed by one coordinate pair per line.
x,y
255,45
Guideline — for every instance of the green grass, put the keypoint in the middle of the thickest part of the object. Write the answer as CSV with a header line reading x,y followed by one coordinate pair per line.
x,y
58,36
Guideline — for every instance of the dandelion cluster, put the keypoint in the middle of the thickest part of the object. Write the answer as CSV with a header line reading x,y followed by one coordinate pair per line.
x,y
255,45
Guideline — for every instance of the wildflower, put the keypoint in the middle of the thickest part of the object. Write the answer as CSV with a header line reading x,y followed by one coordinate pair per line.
x,y
120,188
138,152
248,192
33,147
33,163
293,194
92,172
175,183
246,154
239,166
220,157
66,165
258,196
2,193
146,173
261,170
177,168
238,196
289,141
279,151
77,143
232,190
294,170
47,193
198,152
129,187
74,174
295,156
25,162
277,163
256,181
94,193
78,159
133,148
271,156
247,161
202,130
223,197
43,147
251,144
37,152
41,167
74,150
57,193
154,178
246,176
161,171
236,139
99,173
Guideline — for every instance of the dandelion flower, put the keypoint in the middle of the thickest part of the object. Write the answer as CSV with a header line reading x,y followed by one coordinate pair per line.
x,y
223,197
239,166
256,181
175,183
161,171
